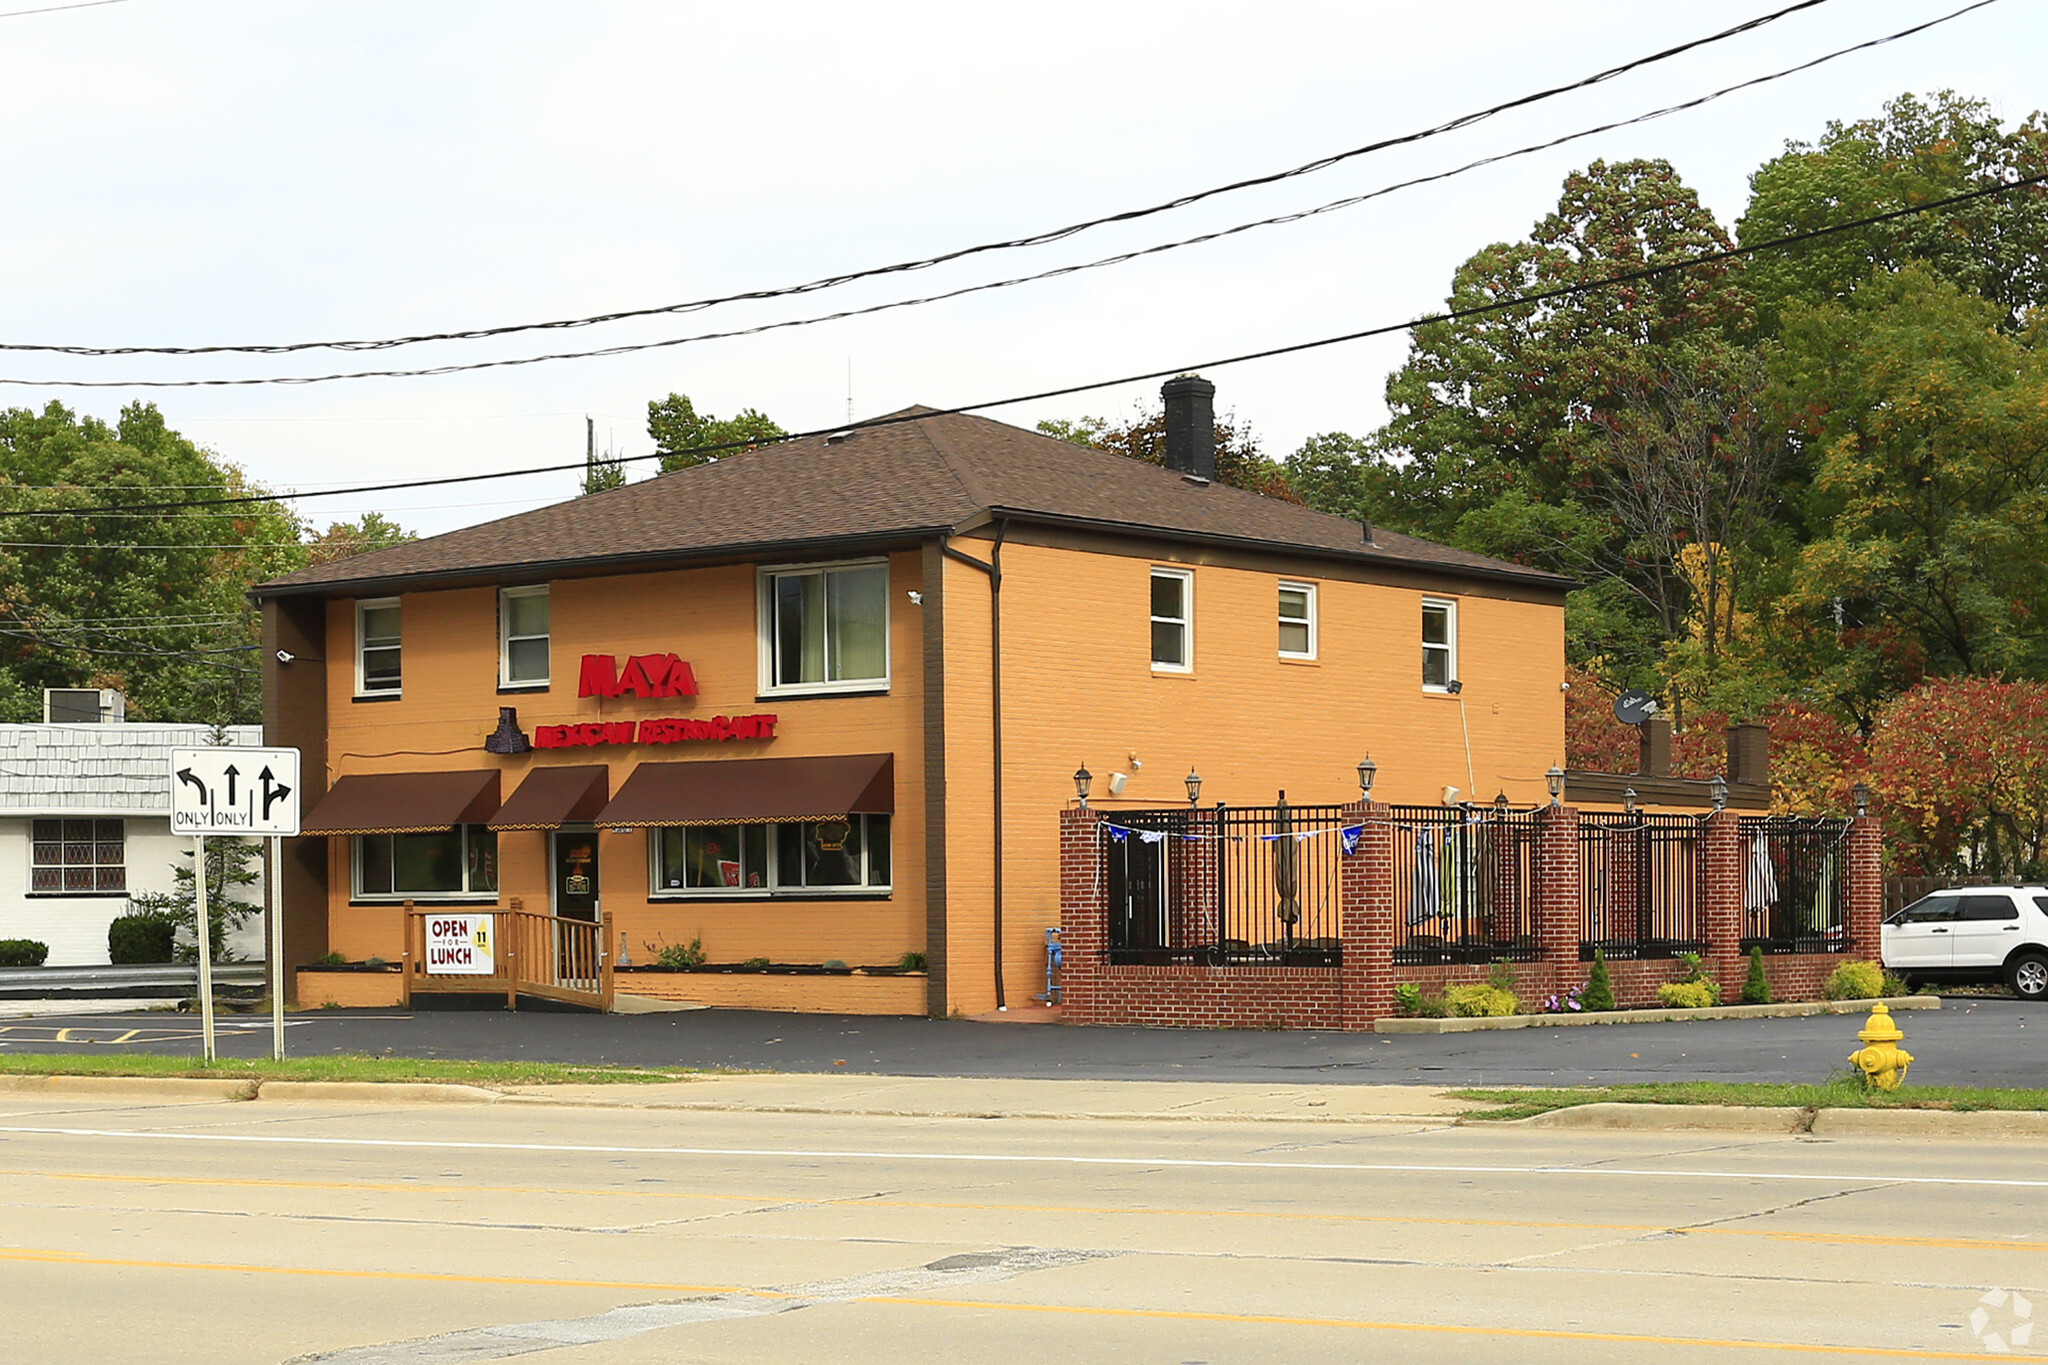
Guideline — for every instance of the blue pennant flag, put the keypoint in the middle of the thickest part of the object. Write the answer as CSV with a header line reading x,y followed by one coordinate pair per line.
x,y
1351,834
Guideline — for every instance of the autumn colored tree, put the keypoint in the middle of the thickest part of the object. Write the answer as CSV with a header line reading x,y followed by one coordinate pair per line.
x,y
347,539
1962,767
1142,436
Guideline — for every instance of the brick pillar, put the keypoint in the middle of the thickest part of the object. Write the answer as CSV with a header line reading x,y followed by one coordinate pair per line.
x,y
1198,918
1721,894
1366,880
1558,891
1866,885
1084,912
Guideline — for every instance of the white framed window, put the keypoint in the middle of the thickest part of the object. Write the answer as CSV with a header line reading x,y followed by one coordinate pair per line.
x,y
377,647
1173,620
1439,644
77,858
825,628
807,857
448,864
1297,620
523,637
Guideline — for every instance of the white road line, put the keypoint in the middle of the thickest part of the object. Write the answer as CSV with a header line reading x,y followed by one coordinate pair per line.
x,y
1177,1163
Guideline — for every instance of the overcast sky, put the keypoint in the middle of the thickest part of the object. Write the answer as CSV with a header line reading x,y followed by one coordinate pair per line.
x,y
198,172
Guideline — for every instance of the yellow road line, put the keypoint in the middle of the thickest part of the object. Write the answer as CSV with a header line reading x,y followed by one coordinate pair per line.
x,y
1153,1314
1447,1329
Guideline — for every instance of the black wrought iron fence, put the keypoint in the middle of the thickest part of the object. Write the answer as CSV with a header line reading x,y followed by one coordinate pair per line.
x,y
1795,884
1639,885
1238,885
1464,884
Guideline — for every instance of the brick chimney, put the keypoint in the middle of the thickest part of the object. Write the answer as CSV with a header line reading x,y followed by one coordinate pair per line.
x,y
1190,425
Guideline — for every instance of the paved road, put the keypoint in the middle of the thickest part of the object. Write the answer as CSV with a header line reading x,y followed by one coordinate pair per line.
x,y
1974,1041
220,1233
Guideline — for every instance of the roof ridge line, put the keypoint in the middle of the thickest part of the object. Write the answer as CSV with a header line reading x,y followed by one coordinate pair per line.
x,y
969,485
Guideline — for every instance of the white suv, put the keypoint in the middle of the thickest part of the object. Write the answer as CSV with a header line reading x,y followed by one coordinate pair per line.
x,y
1973,933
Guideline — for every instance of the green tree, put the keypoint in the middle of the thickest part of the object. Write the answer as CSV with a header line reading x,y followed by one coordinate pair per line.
x,y
680,432
1916,151
152,601
1142,436
228,873
347,539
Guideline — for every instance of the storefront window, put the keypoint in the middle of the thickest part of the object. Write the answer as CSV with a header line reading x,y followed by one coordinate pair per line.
x,y
78,857
460,862
827,628
850,854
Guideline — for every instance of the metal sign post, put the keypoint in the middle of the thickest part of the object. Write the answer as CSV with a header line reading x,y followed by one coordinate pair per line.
x,y
237,793
273,909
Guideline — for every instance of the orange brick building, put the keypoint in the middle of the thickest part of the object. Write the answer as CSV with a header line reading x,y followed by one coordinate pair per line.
x,y
824,700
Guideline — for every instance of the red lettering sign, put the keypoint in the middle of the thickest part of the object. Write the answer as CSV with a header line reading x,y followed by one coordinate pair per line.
x,y
645,675
671,730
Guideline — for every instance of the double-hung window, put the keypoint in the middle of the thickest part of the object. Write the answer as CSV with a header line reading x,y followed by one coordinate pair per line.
x,y
800,857
77,857
825,629
1297,621
523,637
1173,621
1439,644
377,647
449,864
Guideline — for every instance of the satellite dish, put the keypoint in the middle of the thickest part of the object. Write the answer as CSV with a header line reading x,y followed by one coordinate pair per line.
x,y
1634,706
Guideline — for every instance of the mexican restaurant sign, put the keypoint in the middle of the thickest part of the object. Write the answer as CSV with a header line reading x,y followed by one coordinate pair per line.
x,y
674,730
460,945
645,675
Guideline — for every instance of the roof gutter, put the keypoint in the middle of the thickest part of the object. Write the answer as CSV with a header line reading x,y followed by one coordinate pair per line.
x,y
993,567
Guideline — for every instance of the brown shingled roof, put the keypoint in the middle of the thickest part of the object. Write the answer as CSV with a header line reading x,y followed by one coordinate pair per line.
x,y
924,476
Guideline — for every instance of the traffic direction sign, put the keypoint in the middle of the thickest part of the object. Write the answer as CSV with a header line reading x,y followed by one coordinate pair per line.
x,y
235,791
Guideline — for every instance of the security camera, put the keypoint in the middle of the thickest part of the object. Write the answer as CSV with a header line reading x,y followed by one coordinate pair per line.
x,y
285,656
1564,687
915,596
1455,686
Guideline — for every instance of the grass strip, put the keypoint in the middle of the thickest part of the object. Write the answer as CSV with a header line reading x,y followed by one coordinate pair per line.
x,y
336,1067
1839,1092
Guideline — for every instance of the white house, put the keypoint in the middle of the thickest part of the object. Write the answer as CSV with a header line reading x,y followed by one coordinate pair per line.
x,y
85,823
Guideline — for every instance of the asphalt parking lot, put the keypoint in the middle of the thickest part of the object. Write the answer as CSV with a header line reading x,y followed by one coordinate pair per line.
x,y
1970,1041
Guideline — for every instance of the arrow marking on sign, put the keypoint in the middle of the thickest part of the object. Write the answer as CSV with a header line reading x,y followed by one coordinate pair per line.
x,y
230,773
185,775
273,791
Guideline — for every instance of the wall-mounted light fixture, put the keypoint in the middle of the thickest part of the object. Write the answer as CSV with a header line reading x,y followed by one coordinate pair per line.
x,y
1367,771
1082,779
1194,781
1860,793
1719,788
1628,801
1554,779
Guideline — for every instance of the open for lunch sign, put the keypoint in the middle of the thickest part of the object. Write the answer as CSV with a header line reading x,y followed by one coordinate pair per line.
x,y
461,945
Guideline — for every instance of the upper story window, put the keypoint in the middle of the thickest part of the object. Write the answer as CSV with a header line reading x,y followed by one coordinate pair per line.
x,y
77,857
1439,644
810,857
456,864
1173,621
825,629
1297,621
523,637
377,646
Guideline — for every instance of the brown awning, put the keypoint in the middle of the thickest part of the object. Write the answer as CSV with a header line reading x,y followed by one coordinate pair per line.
x,y
405,803
744,789
550,798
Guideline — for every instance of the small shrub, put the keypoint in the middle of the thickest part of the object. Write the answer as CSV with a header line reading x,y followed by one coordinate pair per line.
x,y
375,962
1757,989
676,957
758,963
1408,998
911,962
1599,985
1571,1002
331,959
137,939
1501,976
1855,981
1895,985
1481,1002
23,952
1688,995
834,964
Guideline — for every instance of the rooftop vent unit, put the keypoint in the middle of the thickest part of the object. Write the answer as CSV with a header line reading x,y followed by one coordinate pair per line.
x,y
83,706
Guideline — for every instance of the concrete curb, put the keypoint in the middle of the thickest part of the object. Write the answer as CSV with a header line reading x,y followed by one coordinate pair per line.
x,y
937,1112
1671,1117
1932,1123
131,1087
417,1092
1792,1010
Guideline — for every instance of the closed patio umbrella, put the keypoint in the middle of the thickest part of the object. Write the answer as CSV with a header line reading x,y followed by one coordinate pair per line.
x,y
1286,882
1427,902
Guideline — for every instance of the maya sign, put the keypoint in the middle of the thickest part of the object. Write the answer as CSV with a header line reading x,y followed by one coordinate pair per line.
x,y
461,945
645,675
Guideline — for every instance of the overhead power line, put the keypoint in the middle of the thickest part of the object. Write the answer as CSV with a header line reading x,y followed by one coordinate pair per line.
x,y
52,9
1322,163
1213,363
1120,258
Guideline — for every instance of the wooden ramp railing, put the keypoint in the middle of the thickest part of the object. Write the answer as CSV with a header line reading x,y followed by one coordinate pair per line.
x,y
508,952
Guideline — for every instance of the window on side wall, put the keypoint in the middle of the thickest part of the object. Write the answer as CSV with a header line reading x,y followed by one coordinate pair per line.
x,y
77,858
1297,621
1173,621
523,637
1439,644
449,864
825,629
377,647
806,858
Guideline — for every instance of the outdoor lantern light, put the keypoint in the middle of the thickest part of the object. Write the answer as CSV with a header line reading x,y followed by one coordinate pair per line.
x,y
1194,787
1500,803
1861,794
1367,771
1082,777
1628,801
1554,779
1719,787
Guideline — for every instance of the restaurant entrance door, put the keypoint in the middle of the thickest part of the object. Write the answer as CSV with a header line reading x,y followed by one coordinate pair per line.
x,y
575,881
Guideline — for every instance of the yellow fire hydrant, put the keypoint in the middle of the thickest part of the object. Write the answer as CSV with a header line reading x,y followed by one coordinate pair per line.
x,y
1881,1060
